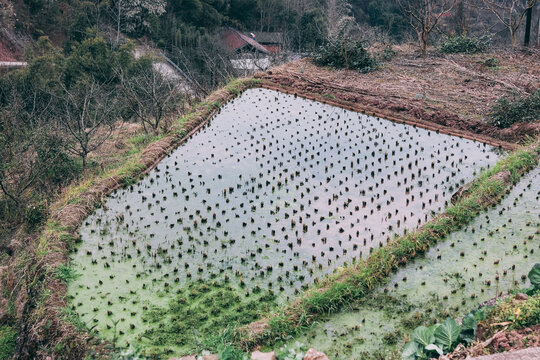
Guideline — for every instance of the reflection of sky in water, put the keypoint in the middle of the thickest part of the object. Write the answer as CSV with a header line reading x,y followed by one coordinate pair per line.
x,y
277,189
492,255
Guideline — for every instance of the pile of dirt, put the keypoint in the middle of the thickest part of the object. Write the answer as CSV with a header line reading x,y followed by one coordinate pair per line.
x,y
516,339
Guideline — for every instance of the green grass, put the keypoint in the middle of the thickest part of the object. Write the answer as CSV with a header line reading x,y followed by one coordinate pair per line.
x,y
65,273
8,338
356,281
143,139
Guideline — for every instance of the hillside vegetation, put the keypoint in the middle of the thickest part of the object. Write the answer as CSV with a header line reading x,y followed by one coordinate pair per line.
x,y
88,116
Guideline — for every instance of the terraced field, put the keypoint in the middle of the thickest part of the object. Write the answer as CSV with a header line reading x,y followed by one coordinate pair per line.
x,y
272,195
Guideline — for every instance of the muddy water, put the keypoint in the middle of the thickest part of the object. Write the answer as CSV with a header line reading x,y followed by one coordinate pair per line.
x,y
492,255
276,192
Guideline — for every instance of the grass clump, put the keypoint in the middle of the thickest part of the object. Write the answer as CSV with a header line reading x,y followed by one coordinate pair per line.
x,y
65,273
344,54
8,338
513,109
490,62
465,44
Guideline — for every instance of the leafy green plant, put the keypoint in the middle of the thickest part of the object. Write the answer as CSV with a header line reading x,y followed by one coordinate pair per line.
x,y
433,341
534,276
470,323
465,44
344,54
510,110
447,334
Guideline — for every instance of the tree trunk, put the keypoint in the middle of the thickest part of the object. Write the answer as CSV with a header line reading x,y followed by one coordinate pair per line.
x,y
118,23
513,37
423,37
528,27
461,21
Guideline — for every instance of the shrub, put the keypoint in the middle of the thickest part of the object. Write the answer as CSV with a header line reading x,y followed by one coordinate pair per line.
x,y
63,169
490,62
344,54
510,110
35,214
464,44
388,53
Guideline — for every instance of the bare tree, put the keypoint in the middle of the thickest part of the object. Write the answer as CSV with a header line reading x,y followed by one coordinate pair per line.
x,y
132,15
86,113
461,19
424,16
338,15
24,150
509,12
151,96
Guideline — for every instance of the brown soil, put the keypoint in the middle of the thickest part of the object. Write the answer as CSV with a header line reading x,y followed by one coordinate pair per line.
x,y
516,339
451,94
500,342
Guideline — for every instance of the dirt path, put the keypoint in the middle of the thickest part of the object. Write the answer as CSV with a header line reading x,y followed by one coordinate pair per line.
x,y
452,94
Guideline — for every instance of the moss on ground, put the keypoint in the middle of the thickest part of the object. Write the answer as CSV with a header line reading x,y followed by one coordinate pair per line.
x,y
197,313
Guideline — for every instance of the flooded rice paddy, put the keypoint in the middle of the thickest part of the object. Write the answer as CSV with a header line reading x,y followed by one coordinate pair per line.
x,y
490,257
273,194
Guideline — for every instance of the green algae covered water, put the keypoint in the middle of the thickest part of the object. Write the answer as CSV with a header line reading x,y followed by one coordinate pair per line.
x,y
274,193
489,257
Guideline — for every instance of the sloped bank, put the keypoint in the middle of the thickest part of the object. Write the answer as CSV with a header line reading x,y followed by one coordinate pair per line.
x,y
355,282
44,323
